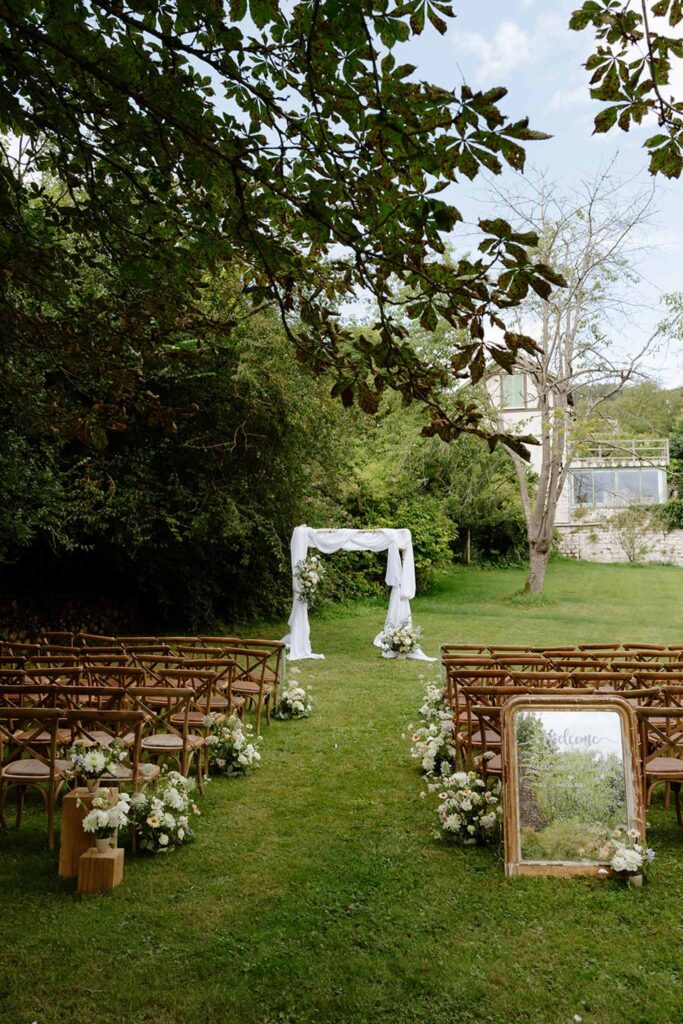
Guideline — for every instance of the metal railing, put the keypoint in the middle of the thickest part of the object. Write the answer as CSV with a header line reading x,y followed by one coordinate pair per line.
x,y
620,450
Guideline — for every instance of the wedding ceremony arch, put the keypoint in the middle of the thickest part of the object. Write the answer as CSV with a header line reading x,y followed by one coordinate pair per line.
x,y
400,577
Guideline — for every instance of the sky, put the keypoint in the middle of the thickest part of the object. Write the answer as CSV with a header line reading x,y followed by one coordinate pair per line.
x,y
526,46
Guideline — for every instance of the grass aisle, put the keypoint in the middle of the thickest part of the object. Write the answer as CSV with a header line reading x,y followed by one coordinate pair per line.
x,y
315,892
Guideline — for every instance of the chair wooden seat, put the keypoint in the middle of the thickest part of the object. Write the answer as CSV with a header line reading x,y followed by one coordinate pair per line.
x,y
665,766
32,769
169,741
199,717
42,739
494,765
247,687
491,737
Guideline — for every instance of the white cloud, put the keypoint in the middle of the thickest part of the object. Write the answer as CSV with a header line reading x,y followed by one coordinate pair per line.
x,y
565,99
512,47
508,50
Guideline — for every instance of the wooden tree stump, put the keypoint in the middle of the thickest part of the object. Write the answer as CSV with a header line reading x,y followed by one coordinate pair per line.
x,y
73,841
98,872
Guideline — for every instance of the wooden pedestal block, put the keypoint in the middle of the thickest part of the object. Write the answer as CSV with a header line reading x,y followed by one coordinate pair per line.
x,y
73,841
100,871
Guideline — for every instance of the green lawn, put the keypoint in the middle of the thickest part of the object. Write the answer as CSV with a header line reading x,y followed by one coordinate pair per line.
x,y
315,891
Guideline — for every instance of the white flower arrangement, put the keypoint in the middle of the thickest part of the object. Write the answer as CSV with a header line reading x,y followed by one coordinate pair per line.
x,y
163,812
309,573
402,639
294,702
629,857
433,742
109,813
93,760
469,812
233,749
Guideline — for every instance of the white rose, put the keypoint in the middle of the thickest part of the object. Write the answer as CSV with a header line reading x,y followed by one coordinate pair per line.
x,y
163,839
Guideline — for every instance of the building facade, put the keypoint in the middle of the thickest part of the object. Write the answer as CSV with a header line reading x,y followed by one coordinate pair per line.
x,y
606,476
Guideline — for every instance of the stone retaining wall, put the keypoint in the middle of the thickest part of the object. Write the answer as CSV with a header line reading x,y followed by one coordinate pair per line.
x,y
597,542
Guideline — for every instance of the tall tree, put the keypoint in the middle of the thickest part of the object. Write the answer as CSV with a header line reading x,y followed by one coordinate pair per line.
x,y
579,365
287,139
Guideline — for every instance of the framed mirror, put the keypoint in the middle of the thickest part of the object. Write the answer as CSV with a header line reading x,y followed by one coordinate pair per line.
x,y
570,778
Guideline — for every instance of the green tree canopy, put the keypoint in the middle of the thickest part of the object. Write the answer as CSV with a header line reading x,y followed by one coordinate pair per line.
x,y
288,140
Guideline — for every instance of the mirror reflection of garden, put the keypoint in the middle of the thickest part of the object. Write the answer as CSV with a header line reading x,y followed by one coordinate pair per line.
x,y
571,797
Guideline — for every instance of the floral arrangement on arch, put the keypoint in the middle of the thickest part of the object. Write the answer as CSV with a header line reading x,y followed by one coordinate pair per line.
x,y
309,572
629,858
233,749
433,742
294,702
163,812
402,639
469,811
93,760
109,813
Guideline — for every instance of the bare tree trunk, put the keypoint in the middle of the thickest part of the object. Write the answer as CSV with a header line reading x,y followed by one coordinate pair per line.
x,y
539,552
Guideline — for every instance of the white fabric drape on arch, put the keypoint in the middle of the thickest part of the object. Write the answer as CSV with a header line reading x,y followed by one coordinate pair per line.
x,y
400,577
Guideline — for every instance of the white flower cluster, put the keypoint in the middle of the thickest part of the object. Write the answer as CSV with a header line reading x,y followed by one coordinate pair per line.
x,y
402,639
108,814
467,809
628,855
92,760
162,812
233,749
433,742
294,702
309,573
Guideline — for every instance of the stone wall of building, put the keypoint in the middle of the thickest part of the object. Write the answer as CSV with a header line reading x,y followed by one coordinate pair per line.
x,y
597,542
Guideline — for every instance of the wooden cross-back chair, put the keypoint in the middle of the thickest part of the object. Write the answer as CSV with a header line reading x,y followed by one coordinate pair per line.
x,y
600,647
63,698
61,638
576,661
253,679
522,662
550,649
458,676
119,676
276,665
601,679
11,661
52,661
221,698
94,640
661,742
89,658
68,675
153,665
25,764
11,676
104,727
178,641
130,650
512,649
450,649
19,648
167,710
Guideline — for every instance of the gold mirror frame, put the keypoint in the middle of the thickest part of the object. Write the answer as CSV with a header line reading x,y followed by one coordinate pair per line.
x,y
514,864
